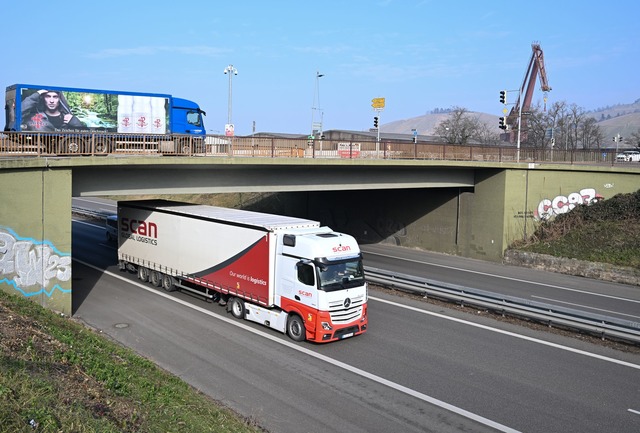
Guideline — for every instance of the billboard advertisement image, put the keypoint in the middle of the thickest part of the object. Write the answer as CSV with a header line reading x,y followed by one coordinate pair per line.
x,y
46,110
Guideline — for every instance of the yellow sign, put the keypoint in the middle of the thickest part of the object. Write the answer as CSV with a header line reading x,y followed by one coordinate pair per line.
x,y
377,102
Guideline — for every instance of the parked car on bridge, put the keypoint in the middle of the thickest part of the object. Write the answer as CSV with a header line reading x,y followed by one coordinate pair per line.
x,y
629,156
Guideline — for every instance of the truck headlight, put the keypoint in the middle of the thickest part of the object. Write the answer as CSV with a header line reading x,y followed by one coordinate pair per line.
x,y
326,326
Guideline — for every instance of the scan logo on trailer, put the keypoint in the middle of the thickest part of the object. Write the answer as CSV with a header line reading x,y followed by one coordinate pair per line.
x,y
139,230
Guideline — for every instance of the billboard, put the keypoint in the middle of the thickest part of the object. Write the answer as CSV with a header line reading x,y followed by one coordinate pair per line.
x,y
47,110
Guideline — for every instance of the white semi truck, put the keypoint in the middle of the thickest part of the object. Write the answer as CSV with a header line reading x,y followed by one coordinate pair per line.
x,y
287,273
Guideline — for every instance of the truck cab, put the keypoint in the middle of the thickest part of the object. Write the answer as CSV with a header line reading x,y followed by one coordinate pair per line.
x,y
186,117
327,287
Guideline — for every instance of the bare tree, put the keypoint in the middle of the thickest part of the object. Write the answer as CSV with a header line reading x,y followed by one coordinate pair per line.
x,y
575,119
488,135
536,133
635,138
556,120
459,127
592,136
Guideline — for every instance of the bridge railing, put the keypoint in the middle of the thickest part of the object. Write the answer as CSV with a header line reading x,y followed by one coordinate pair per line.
x,y
13,144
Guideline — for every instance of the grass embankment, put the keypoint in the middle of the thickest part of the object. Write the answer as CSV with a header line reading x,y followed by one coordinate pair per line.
x,y
605,232
58,376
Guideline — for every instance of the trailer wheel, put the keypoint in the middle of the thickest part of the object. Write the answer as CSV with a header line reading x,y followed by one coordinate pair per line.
x,y
156,278
102,146
236,306
184,146
143,274
168,283
72,145
295,328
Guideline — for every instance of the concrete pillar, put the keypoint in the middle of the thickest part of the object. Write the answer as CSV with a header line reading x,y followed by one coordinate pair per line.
x,y
35,235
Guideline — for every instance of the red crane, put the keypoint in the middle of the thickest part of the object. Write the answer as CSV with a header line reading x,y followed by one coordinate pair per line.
x,y
535,68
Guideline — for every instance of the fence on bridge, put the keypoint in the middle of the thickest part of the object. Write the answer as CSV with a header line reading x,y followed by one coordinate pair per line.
x,y
15,144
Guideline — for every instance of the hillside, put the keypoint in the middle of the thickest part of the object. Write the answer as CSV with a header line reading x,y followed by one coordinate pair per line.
x,y
427,123
624,125
623,119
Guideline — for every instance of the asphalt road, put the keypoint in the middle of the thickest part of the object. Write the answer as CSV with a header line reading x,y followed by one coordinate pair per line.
x,y
420,367
578,293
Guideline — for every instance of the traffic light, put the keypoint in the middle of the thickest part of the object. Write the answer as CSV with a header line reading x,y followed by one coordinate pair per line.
x,y
503,125
503,96
375,122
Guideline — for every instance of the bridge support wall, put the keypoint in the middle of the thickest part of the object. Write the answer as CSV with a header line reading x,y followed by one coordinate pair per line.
x,y
35,235
504,206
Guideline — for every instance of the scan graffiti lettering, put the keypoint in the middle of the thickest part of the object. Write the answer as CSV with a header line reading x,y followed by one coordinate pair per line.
x,y
32,267
548,208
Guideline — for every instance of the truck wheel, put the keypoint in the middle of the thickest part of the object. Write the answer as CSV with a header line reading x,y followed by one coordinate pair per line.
x,y
73,145
168,283
236,306
143,274
102,146
295,328
156,278
184,146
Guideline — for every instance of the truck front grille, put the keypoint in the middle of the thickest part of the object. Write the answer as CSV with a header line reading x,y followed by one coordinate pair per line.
x,y
341,314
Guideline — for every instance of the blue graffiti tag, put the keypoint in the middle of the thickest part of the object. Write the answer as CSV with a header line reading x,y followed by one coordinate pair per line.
x,y
26,262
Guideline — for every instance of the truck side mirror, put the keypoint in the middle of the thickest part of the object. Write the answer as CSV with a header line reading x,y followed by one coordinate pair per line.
x,y
289,240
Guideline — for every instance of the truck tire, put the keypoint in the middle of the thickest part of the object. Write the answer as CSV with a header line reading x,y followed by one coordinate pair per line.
x,y
168,283
143,274
72,145
102,146
295,328
237,309
184,147
155,278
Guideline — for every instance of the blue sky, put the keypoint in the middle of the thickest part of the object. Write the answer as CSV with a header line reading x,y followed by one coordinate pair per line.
x,y
419,55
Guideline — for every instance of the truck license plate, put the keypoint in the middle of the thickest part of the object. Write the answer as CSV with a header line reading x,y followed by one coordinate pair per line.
x,y
350,334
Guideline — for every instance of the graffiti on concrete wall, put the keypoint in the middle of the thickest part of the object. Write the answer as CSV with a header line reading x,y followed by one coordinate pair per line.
x,y
548,208
32,267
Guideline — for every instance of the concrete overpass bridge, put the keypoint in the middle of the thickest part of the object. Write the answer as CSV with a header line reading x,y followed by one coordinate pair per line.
x,y
468,208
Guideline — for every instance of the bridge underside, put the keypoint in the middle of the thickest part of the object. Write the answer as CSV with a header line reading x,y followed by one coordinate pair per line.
x,y
180,179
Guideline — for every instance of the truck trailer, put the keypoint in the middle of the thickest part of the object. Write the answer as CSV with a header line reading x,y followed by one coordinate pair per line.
x,y
287,273
65,120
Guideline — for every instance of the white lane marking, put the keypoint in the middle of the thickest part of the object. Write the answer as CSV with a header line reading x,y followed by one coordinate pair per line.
x,y
88,223
291,345
634,411
584,306
519,280
511,334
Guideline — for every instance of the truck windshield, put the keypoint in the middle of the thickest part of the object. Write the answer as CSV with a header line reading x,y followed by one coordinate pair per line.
x,y
341,275
193,118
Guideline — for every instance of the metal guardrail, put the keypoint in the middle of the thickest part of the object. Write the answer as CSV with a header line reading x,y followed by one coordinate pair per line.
x,y
595,324
32,144
89,212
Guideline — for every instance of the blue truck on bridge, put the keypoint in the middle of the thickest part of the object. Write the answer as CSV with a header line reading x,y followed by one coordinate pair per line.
x,y
70,120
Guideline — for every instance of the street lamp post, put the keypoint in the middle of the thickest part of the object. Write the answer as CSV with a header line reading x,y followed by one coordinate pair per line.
x,y
316,97
230,71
